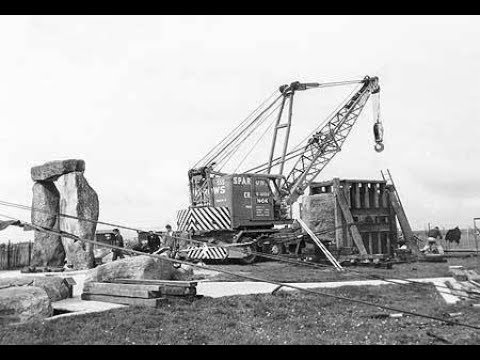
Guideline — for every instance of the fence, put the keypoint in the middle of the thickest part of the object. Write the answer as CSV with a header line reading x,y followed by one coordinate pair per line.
x,y
15,255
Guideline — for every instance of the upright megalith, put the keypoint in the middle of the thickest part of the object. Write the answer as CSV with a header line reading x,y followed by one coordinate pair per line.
x,y
47,248
61,189
77,198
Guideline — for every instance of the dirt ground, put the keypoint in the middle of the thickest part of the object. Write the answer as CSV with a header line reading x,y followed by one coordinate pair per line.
x,y
273,270
285,318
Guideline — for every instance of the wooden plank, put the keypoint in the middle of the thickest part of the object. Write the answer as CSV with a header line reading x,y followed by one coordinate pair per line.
x,y
366,194
402,219
346,191
128,290
376,196
345,233
140,291
322,247
379,240
155,282
389,244
382,196
357,239
177,290
124,300
356,192
338,215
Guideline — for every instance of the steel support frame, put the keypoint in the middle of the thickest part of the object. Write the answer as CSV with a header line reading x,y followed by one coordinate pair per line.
x,y
325,144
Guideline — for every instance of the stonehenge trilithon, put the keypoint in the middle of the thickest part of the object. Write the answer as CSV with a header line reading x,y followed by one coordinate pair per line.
x,y
60,187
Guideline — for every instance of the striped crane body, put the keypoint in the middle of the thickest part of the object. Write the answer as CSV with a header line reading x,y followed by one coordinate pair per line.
x,y
204,219
206,253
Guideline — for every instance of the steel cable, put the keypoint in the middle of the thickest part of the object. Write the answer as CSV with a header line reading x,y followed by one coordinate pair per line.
x,y
249,277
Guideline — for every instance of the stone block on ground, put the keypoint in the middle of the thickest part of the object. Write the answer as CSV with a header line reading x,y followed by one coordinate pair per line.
x,y
135,267
24,303
47,248
51,170
183,273
55,286
77,198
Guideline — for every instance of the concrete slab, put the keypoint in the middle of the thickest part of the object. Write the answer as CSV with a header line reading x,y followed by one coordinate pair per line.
x,y
76,306
217,289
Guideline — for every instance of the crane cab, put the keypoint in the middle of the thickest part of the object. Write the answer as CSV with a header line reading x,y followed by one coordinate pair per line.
x,y
237,201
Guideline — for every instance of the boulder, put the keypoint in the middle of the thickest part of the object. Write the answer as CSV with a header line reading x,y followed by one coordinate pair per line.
x,y
24,303
47,248
183,273
135,267
78,199
50,171
55,286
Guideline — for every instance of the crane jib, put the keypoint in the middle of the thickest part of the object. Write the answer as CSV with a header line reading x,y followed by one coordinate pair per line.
x,y
326,142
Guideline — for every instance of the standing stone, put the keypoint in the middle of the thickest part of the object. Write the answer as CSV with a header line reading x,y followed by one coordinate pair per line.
x,y
47,248
78,199
50,171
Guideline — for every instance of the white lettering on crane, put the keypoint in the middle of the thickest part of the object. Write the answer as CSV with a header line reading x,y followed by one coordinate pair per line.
x,y
241,180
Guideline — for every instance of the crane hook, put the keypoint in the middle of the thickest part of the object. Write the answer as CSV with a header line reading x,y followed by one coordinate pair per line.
x,y
378,136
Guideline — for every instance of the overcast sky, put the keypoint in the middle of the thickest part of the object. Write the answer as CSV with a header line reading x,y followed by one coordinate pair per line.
x,y
142,98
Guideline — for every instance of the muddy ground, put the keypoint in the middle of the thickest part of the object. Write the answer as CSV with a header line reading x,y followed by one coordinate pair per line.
x,y
278,271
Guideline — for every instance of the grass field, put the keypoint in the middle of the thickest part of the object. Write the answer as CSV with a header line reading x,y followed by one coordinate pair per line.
x,y
285,318
278,271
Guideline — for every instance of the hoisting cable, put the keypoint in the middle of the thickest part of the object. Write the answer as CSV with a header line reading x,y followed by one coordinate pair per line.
x,y
248,277
242,132
254,146
231,133
237,143
237,146
279,258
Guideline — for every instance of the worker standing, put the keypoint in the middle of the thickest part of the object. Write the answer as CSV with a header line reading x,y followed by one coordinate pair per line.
x,y
153,242
118,241
435,233
169,239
